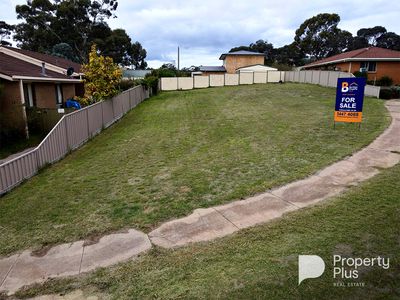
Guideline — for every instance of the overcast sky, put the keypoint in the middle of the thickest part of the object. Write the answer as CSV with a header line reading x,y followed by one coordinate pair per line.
x,y
205,29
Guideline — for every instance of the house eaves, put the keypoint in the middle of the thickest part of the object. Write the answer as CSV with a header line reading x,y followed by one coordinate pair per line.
x,y
35,61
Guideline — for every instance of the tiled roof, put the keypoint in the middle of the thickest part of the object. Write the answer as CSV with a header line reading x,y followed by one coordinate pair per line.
x,y
54,60
12,66
241,52
212,69
359,54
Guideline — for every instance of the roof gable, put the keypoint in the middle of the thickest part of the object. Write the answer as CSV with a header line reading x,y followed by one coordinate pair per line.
x,y
50,59
359,55
241,52
13,68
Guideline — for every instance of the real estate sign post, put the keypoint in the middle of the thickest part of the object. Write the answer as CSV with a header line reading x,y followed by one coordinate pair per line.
x,y
349,100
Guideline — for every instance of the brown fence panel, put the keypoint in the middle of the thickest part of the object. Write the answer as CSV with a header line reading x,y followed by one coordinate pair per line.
x,y
117,107
95,115
54,146
77,125
69,133
17,170
108,113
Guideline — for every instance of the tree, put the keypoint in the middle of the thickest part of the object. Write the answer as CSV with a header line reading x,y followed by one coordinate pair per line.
x,y
64,50
102,77
5,33
47,23
290,55
260,46
371,34
138,54
389,40
358,42
319,36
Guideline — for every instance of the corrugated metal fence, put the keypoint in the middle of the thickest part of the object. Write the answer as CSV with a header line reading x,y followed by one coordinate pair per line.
x,y
69,133
326,78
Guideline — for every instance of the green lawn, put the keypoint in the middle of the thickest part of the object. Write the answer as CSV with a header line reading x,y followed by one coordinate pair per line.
x,y
180,151
261,262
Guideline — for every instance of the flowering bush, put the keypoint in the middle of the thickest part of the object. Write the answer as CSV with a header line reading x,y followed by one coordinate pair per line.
x,y
102,77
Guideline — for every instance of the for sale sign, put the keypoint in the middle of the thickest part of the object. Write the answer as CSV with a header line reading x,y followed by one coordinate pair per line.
x,y
349,99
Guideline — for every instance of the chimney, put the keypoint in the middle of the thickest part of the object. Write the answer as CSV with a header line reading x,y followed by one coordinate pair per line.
x,y
43,69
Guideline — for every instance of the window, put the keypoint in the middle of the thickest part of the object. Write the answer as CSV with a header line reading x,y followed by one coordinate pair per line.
x,y
29,94
59,95
370,66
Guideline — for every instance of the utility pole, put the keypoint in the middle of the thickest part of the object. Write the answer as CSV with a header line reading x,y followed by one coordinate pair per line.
x,y
178,58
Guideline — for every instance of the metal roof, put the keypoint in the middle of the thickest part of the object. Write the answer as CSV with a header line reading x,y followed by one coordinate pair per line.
x,y
241,52
135,73
212,69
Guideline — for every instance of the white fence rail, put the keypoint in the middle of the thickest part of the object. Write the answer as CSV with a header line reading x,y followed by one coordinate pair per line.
x,y
69,133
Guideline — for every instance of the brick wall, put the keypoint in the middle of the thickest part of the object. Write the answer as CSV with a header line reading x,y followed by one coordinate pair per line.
x,y
68,90
10,106
45,95
233,62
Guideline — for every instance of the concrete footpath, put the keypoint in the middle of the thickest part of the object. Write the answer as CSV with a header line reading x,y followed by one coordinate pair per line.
x,y
206,224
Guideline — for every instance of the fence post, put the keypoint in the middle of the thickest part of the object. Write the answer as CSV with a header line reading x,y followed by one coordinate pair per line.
x,y
66,133
112,106
102,113
87,122
327,82
37,160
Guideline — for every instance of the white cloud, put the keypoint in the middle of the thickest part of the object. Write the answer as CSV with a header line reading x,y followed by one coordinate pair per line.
x,y
205,29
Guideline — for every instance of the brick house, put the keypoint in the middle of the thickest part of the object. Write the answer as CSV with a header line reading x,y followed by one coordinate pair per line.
x,y
31,79
377,62
233,61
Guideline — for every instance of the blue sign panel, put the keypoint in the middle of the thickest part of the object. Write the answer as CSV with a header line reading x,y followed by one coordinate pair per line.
x,y
349,99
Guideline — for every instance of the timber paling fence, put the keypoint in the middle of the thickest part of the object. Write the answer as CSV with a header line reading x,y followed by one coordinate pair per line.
x,y
324,78
72,131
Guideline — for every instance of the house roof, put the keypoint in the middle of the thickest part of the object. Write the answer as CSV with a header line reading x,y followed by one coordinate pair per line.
x,y
212,69
257,67
135,73
241,52
370,53
13,68
51,59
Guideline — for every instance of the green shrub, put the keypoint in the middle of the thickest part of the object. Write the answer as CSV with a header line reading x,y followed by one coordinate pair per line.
x,y
126,84
151,82
385,81
389,93
360,74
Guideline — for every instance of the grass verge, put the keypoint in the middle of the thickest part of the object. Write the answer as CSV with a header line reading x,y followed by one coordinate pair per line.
x,y
261,262
180,151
